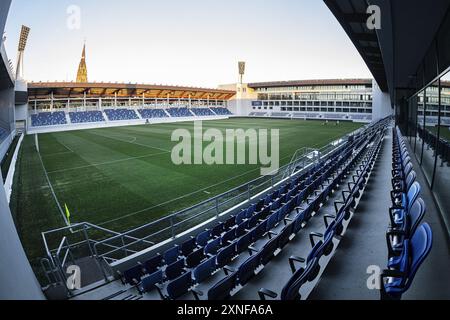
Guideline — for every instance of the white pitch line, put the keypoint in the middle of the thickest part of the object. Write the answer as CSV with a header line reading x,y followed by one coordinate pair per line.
x,y
130,142
108,162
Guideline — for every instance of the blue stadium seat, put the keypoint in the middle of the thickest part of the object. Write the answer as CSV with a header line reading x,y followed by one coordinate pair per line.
x,y
226,255
396,281
180,286
203,238
247,269
205,270
222,290
195,258
171,255
175,269
188,247
152,282
291,290
153,264
213,247
133,276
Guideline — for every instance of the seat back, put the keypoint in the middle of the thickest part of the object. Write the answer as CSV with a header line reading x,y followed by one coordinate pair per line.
x,y
413,194
247,269
179,286
228,236
171,255
241,229
188,247
195,258
420,247
203,238
291,290
132,274
212,247
226,255
416,215
267,252
153,264
205,270
149,282
243,243
175,269
222,290
217,230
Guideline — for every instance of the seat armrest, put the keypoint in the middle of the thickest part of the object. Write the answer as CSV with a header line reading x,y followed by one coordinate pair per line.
x,y
313,235
292,261
263,293
197,293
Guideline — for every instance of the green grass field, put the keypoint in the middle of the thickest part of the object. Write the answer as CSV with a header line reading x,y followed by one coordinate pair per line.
x,y
124,177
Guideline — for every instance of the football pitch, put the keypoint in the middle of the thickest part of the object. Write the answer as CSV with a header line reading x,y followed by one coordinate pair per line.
x,y
124,177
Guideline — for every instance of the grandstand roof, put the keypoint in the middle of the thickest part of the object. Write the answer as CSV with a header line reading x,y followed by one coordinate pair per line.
x,y
42,90
298,83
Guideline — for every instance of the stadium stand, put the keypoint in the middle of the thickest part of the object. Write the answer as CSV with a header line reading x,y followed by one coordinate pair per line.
x,y
179,112
221,111
152,113
408,243
44,119
121,114
261,230
258,114
3,134
202,112
86,117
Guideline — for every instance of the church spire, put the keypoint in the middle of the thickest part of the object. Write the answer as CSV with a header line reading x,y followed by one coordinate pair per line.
x,y
82,68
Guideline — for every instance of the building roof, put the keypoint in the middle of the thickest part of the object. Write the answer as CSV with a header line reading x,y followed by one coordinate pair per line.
x,y
352,16
298,83
43,90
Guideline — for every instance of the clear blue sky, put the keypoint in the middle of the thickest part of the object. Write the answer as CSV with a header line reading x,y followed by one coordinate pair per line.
x,y
184,42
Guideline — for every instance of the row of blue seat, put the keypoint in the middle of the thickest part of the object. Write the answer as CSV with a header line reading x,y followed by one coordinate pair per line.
x,y
334,224
121,114
86,117
44,119
237,234
409,243
152,113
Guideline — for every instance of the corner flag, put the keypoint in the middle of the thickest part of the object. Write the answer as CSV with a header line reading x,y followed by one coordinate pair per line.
x,y
67,213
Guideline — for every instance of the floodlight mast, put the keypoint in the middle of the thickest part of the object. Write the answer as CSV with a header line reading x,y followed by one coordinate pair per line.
x,y
24,33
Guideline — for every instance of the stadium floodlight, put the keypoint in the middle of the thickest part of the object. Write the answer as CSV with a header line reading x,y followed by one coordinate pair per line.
x,y
24,33
241,70
23,38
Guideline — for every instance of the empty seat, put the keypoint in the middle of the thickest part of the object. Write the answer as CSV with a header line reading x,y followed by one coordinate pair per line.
x,y
175,269
153,264
204,270
188,247
247,269
222,290
396,281
151,282
171,255
213,247
133,275
180,286
195,258
226,255
203,238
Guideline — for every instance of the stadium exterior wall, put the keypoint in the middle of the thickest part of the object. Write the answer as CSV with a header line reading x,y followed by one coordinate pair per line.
x,y
382,106
17,279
